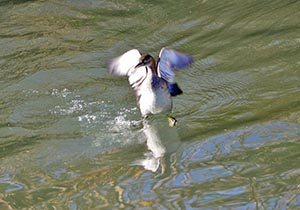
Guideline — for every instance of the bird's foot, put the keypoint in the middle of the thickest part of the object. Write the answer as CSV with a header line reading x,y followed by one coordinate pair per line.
x,y
172,121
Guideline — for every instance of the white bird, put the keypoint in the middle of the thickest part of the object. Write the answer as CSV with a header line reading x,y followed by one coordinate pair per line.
x,y
152,81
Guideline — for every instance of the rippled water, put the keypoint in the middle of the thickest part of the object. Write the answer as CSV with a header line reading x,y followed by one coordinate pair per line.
x,y
71,135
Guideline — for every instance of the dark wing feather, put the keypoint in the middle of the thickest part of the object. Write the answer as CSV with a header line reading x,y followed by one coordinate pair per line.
x,y
171,60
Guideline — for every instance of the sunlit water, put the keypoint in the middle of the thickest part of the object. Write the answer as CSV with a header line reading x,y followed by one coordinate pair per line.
x,y
71,135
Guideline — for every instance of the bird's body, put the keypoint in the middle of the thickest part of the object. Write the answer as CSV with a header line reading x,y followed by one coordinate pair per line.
x,y
155,97
153,82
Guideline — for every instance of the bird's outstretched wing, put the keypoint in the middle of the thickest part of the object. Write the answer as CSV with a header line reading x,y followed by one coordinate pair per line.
x,y
124,65
169,61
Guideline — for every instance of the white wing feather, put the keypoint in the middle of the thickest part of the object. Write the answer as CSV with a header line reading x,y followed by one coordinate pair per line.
x,y
124,65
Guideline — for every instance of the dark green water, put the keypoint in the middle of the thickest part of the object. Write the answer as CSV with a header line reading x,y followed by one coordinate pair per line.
x,y
67,139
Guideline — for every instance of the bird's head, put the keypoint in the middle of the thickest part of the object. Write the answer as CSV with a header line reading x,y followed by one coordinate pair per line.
x,y
146,60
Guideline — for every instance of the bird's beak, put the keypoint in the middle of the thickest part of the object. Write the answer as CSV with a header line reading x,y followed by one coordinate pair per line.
x,y
138,65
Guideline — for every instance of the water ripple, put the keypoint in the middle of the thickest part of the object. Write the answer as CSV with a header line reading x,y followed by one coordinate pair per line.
x,y
216,94
9,185
67,138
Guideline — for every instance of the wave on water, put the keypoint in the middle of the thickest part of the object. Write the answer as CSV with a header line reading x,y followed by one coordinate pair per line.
x,y
99,119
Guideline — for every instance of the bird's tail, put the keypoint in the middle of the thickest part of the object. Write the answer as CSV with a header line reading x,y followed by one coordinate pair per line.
x,y
174,89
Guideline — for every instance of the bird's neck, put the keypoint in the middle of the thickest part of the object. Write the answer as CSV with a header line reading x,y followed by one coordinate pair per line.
x,y
153,67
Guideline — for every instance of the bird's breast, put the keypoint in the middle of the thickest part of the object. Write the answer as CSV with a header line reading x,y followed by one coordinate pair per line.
x,y
154,97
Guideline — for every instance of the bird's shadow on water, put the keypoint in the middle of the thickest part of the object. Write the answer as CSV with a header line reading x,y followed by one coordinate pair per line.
x,y
162,141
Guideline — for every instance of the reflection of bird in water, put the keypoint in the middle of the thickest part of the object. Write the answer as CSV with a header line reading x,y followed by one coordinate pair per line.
x,y
153,82
161,142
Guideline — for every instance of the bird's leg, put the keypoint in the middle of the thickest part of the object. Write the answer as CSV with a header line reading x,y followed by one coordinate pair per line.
x,y
139,123
136,124
145,117
172,121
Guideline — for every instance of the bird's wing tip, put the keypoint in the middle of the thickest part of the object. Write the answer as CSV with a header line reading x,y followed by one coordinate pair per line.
x,y
121,65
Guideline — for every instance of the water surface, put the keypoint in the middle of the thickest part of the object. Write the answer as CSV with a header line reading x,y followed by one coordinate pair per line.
x,y
70,136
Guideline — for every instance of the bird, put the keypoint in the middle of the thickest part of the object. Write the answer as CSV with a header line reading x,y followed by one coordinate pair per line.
x,y
152,81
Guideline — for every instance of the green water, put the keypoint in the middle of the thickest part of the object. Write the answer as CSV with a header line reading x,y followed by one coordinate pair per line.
x,y
68,134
